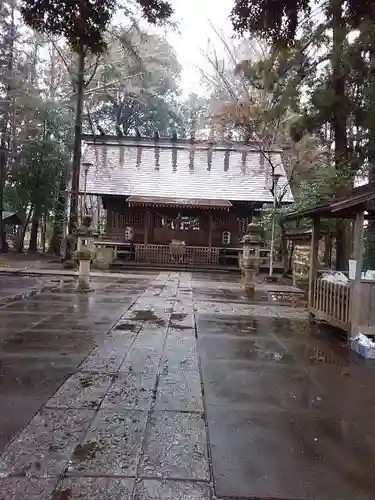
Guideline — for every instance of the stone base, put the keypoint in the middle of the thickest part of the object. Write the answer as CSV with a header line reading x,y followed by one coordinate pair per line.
x,y
250,290
84,275
84,290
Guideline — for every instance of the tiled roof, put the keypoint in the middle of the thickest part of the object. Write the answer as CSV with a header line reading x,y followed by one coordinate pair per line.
x,y
178,169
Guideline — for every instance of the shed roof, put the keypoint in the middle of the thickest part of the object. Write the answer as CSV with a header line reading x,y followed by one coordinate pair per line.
x,y
128,166
12,218
343,205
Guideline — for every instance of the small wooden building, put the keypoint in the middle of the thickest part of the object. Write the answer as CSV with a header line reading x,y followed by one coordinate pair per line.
x,y
175,200
350,306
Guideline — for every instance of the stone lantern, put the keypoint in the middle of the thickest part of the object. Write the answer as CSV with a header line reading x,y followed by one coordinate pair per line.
x,y
84,253
250,261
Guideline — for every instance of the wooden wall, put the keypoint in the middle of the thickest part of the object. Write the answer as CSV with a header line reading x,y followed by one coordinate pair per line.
x,y
160,230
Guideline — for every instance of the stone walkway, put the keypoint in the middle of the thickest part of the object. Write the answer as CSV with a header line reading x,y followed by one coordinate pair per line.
x,y
130,422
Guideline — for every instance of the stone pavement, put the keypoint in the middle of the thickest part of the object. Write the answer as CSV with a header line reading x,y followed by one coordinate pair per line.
x,y
193,392
17,287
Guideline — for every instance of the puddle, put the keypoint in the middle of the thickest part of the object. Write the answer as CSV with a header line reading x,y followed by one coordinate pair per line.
x,y
176,326
85,451
178,316
87,381
127,326
148,315
62,494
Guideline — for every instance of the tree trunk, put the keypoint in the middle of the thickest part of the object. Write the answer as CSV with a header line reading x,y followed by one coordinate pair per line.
x,y
80,85
43,235
339,120
370,232
58,221
2,185
21,240
284,248
4,124
327,258
290,257
33,245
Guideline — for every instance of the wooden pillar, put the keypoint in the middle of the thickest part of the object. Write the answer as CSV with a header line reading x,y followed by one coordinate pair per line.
x,y
314,249
210,225
355,285
146,226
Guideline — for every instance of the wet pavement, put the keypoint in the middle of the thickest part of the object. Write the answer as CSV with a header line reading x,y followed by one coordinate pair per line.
x,y
12,286
175,385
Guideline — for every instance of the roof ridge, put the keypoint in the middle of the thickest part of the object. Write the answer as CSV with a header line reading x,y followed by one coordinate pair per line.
x,y
114,140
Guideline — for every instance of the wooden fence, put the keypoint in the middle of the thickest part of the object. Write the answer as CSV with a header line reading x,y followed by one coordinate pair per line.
x,y
176,254
330,302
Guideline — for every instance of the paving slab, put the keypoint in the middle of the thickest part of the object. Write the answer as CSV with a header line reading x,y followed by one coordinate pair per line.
x,y
180,354
112,446
91,488
13,322
141,360
246,385
45,446
147,489
274,454
81,390
179,391
245,350
22,488
150,339
175,447
109,355
13,286
131,390
59,342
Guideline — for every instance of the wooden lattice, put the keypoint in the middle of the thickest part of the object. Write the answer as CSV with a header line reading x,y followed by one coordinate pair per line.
x,y
167,254
221,222
242,223
133,217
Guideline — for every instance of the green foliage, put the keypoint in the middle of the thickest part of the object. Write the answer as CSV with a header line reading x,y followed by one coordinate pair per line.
x,y
323,184
135,87
81,23
276,20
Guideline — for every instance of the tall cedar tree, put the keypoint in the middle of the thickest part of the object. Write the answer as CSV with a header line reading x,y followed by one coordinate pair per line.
x,y
278,21
82,23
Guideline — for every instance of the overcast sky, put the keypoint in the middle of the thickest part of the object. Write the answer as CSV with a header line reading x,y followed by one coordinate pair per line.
x,y
195,18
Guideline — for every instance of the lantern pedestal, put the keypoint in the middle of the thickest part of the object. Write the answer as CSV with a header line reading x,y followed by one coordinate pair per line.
x,y
250,262
84,254
84,275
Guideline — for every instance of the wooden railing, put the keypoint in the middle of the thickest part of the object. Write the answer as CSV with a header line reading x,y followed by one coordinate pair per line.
x,y
331,302
174,254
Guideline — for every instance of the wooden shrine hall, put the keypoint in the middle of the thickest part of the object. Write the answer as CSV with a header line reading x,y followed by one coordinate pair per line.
x,y
178,200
